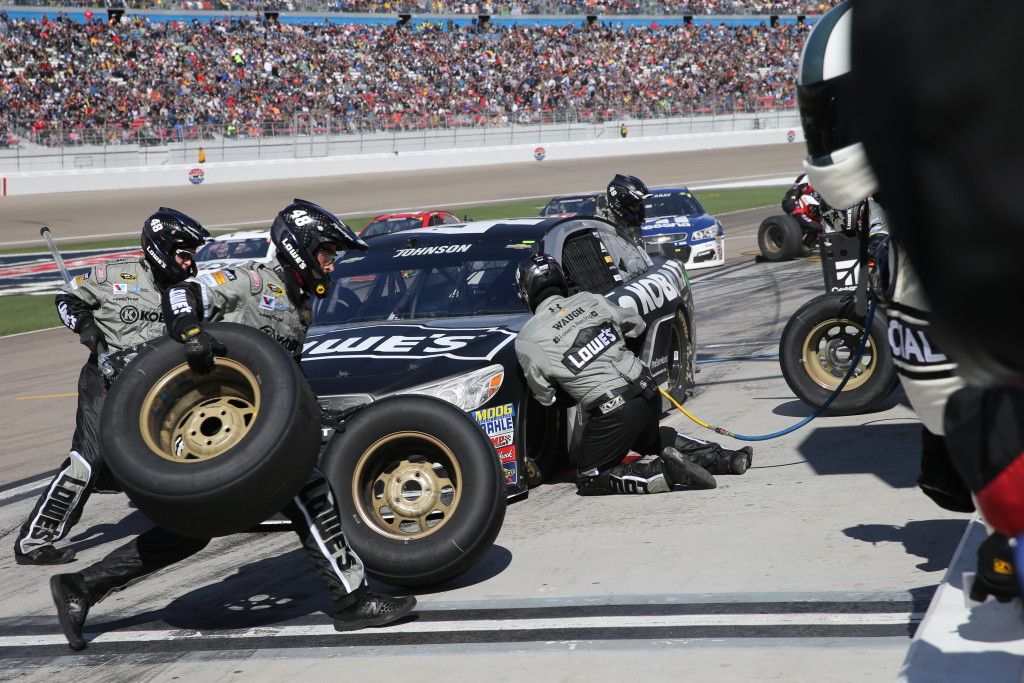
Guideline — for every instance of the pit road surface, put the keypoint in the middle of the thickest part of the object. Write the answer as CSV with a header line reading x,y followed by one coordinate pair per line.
x,y
815,565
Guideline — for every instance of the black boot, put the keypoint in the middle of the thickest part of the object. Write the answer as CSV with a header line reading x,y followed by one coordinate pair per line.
x,y
45,554
684,471
638,476
363,608
712,457
73,601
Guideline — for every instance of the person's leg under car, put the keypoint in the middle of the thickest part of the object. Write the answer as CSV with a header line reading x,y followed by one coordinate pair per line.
x,y
606,441
710,455
314,515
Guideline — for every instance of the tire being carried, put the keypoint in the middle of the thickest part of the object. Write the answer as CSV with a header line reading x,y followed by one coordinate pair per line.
x,y
780,238
420,489
217,453
817,348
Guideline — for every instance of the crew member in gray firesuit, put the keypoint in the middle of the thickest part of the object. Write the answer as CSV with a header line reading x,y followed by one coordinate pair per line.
x,y
113,308
577,344
840,170
625,206
275,298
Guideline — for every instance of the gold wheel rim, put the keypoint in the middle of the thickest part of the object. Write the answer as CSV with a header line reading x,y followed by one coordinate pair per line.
x,y
407,485
192,417
828,351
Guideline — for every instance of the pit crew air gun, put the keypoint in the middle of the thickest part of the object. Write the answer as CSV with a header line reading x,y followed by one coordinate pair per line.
x,y
103,357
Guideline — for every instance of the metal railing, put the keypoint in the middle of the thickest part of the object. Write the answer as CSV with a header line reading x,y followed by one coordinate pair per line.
x,y
314,135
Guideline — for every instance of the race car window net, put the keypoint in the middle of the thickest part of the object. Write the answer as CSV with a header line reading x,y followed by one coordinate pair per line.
x,y
435,281
584,263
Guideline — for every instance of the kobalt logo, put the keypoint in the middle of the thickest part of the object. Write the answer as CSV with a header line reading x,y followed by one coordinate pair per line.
x,y
651,292
590,344
130,314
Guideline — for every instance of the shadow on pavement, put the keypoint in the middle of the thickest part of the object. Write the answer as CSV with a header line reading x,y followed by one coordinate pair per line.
x,y
889,450
932,540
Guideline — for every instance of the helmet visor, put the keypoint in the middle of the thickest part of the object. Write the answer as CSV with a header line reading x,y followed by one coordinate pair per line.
x,y
826,117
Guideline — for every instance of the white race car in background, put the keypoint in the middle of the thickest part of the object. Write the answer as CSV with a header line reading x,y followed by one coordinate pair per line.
x,y
675,216
235,248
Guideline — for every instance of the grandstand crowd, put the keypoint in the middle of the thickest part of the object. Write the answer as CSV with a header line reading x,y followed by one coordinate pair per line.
x,y
66,82
636,7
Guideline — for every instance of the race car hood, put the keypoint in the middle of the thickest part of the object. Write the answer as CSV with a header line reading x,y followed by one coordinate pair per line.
x,y
379,359
670,225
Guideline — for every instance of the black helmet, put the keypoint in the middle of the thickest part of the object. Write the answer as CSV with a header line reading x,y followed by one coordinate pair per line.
x,y
836,163
626,196
163,234
299,230
537,274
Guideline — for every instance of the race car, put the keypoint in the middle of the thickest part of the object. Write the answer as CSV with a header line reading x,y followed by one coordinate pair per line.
x,y
574,204
235,248
434,312
675,216
382,225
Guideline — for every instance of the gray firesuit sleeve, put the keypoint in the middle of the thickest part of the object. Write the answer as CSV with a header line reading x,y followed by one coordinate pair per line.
x,y
536,369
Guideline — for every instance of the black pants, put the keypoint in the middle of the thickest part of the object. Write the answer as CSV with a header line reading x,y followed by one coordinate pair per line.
x,y
60,506
634,427
314,516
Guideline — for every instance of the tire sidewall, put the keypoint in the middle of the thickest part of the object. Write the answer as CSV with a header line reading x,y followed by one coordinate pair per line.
x,y
464,538
240,487
850,401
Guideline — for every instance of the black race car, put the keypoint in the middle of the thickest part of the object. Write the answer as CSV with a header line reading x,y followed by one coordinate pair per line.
x,y
434,312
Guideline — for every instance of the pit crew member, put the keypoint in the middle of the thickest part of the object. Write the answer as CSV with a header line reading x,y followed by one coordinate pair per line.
x,y
274,298
625,206
113,308
577,344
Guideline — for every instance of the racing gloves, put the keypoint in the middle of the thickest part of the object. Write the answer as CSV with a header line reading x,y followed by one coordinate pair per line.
x,y
200,349
91,337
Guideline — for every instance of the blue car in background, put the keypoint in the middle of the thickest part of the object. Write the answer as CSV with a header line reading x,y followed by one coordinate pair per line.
x,y
674,215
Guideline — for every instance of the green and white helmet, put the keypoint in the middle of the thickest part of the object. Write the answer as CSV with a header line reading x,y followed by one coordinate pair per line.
x,y
836,162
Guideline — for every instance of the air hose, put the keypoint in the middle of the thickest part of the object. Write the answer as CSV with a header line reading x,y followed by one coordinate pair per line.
x,y
853,367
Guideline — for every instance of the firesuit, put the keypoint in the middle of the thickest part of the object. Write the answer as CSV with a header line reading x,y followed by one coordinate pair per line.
x,y
577,343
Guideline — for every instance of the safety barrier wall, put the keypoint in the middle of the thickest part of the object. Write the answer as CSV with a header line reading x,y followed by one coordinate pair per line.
x,y
46,182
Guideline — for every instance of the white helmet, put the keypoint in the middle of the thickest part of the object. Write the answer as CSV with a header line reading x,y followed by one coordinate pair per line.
x,y
836,163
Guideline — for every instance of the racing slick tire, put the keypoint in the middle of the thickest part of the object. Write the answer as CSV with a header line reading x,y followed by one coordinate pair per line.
x,y
216,453
780,238
816,350
419,487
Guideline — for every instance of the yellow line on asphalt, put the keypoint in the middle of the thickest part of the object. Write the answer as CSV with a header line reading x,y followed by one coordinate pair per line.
x,y
22,398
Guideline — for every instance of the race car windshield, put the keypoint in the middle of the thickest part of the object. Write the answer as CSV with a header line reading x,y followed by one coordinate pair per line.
x,y
659,205
387,225
586,206
254,248
457,279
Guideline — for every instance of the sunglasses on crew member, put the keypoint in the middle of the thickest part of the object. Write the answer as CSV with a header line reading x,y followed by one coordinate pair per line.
x,y
185,254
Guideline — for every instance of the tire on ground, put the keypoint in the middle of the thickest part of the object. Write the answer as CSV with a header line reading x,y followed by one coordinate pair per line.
x,y
216,453
816,350
780,238
420,489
